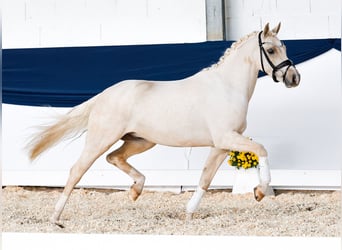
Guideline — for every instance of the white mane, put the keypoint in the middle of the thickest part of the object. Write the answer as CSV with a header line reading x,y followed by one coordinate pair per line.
x,y
233,47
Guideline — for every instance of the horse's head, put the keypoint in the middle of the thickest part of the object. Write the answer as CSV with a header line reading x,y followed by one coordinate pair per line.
x,y
273,58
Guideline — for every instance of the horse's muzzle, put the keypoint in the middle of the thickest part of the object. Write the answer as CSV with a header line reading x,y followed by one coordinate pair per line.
x,y
292,77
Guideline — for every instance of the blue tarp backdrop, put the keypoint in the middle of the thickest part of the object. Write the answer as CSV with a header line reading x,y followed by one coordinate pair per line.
x,y
65,77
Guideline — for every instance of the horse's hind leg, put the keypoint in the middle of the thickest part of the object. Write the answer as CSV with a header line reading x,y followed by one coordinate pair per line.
x,y
212,164
119,158
94,147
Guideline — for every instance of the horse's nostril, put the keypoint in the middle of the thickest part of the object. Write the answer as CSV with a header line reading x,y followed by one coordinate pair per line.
x,y
294,78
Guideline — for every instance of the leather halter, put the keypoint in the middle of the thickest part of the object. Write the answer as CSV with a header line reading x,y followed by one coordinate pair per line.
x,y
285,63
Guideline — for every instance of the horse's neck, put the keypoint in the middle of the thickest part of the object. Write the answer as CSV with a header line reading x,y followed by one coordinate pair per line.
x,y
240,69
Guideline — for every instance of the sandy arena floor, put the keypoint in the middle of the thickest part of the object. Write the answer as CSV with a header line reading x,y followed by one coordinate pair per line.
x,y
289,213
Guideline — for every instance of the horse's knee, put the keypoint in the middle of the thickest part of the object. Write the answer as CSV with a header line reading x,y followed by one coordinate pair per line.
x,y
262,151
115,159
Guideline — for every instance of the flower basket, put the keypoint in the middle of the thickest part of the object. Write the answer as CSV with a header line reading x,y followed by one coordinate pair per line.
x,y
246,175
245,180
247,172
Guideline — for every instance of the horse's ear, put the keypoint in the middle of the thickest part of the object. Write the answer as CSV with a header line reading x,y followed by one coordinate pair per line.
x,y
276,29
266,30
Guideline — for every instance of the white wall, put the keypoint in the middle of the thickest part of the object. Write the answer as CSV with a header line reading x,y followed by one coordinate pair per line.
x,y
303,128
51,23
301,19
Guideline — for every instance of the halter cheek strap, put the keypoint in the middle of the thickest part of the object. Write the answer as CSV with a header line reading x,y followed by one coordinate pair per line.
x,y
285,63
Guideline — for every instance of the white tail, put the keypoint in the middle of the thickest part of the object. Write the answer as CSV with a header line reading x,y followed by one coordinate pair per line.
x,y
71,123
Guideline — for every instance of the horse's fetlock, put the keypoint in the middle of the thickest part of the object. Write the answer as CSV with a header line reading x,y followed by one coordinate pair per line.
x,y
137,187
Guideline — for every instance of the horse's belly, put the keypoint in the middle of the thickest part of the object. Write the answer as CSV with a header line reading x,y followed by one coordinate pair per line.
x,y
174,140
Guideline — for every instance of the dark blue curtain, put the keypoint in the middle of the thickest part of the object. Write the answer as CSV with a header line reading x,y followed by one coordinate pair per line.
x,y
65,77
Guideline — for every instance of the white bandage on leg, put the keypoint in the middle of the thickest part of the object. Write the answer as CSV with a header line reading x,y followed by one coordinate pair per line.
x,y
195,200
264,173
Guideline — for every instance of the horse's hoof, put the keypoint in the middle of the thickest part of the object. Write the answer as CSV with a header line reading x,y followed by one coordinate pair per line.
x,y
189,216
134,193
57,223
258,194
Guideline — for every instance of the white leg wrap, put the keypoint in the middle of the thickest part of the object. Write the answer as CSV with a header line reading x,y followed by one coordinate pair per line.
x,y
265,174
195,200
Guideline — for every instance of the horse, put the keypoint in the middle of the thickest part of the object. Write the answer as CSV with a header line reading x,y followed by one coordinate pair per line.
x,y
208,109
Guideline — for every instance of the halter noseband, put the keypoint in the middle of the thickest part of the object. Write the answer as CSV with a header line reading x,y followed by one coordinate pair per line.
x,y
287,62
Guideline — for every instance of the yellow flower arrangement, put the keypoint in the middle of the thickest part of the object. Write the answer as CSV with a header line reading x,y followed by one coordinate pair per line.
x,y
243,159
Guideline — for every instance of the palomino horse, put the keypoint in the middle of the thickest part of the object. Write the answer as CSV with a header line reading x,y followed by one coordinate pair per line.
x,y
206,109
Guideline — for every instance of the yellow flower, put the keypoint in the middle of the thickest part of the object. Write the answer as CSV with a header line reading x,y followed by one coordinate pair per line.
x,y
243,159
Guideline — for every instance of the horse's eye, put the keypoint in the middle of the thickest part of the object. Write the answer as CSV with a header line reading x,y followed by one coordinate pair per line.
x,y
270,51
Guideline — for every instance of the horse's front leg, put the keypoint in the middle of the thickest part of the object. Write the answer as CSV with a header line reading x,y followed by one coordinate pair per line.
x,y
213,162
235,141
265,178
